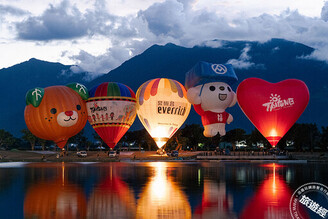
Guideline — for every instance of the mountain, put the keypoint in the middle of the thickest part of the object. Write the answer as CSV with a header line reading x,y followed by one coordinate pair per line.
x,y
274,60
15,81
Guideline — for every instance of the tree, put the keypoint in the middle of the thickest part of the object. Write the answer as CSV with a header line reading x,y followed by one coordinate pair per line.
x,y
42,143
28,136
234,136
194,134
7,140
141,138
304,136
177,141
256,137
81,140
324,138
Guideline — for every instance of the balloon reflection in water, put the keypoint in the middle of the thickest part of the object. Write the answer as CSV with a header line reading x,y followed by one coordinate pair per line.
x,y
216,203
55,199
271,199
162,198
112,199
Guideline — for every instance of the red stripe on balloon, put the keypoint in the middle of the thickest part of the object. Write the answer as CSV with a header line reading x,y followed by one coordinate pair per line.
x,y
101,90
154,88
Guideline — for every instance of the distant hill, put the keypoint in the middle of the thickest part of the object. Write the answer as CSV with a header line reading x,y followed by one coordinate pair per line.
x,y
15,81
273,61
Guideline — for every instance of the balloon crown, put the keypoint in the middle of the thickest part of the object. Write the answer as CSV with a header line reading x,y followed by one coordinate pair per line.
x,y
204,72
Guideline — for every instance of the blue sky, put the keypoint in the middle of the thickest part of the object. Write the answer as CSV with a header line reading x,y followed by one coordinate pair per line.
x,y
100,35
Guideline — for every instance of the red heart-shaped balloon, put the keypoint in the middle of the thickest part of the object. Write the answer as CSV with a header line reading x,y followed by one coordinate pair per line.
x,y
272,107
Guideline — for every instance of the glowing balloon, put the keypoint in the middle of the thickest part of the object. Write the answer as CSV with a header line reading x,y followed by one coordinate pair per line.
x,y
56,113
162,108
111,110
272,107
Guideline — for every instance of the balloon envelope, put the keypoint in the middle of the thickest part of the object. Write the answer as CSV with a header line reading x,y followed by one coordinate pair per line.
x,y
272,107
59,114
162,108
111,110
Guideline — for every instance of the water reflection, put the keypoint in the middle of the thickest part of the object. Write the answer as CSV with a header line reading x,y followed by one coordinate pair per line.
x,y
112,198
162,198
55,199
153,190
271,200
216,203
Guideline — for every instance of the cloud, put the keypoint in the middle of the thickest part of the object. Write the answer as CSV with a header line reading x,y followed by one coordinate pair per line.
x,y
165,18
175,21
66,21
62,22
98,65
324,12
243,62
5,9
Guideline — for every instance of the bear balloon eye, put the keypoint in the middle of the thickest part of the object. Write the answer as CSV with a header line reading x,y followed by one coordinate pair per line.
x,y
229,89
212,88
78,107
53,111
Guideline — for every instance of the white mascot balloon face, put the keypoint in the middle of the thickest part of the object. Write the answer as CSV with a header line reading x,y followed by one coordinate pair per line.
x,y
210,101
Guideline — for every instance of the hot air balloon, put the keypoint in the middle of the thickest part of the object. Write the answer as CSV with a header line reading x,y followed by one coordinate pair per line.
x,y
56,113
162,108
111,110
209,90
273,107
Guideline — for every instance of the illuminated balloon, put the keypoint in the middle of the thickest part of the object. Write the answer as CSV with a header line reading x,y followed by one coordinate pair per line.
x,y
272,107
56,113
209,90
111,110
162,108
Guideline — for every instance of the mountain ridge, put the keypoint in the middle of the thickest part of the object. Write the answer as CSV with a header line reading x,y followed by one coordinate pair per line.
x,y
274,60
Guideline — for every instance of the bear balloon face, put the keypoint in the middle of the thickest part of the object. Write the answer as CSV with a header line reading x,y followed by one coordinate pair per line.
x,y
56,113
214,96
217,96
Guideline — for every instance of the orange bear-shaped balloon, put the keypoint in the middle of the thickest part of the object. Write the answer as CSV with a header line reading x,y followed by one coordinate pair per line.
x,y
56,113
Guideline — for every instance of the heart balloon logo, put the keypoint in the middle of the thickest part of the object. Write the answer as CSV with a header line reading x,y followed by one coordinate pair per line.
x,y
272,107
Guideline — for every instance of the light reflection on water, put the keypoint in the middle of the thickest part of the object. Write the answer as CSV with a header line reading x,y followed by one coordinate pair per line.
x,y
152,189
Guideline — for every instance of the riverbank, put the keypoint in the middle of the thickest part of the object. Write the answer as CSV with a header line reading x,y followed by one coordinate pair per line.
x,y
102,156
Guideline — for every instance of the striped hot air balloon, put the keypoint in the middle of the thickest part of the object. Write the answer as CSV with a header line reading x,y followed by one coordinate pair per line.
x,y
162,108
111,110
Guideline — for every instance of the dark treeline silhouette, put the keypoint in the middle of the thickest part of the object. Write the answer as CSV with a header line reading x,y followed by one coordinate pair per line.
x,y
301,137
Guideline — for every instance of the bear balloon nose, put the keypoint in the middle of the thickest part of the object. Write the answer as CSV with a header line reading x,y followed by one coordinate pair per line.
x,y
69,113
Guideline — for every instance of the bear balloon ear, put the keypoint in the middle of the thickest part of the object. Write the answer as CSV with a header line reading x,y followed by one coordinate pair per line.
x,y
234,100
193,95
34,96
80,89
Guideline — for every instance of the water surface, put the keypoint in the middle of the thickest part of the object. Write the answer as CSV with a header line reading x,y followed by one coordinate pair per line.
x,y
152,189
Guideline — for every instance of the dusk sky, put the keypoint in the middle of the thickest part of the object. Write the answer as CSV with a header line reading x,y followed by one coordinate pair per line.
x,y
100,35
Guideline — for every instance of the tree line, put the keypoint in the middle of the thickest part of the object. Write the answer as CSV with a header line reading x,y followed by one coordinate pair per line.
x,y
301,137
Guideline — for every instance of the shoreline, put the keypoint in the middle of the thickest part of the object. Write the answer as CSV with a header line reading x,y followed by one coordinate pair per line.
x,y
149,156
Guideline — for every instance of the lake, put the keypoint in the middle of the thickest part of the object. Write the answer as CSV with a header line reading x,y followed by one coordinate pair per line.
x,y
153,189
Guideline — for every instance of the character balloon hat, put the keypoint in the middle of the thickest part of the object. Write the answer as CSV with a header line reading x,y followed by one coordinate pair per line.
x,y
210,93
204,72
